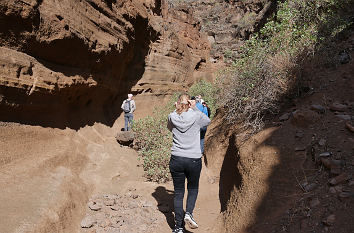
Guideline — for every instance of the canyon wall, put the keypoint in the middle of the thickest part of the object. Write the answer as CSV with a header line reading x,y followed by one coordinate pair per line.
x,y
65,68
229,23
71,63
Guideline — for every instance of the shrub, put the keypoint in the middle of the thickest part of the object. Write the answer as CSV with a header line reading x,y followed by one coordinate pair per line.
x,y
208,91
271,60
154,140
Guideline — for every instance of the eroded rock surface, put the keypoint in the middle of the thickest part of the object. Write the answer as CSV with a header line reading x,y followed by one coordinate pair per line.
x,y
68,65
229,23
71,63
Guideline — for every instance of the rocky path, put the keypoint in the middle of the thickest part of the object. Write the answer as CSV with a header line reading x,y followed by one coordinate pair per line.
x,y
55,180
124,202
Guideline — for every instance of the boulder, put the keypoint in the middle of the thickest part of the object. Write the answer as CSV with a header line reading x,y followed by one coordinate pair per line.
x,y
329,221
339,179
125,138
338,107
211,39
94,206
346,194
318,108
88,222
344,117
284,117
108,201
304,118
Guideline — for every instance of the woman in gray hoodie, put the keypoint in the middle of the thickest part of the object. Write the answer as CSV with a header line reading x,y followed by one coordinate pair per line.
x,y
185,124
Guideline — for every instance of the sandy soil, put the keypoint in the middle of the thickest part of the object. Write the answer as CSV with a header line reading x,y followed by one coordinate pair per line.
x,y
48,176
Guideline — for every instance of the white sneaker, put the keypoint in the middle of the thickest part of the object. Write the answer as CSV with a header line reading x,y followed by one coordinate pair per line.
x,y
178,230
188,218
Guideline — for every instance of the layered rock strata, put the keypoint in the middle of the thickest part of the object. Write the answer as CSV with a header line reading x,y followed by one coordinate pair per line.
x,y
179,57
71,63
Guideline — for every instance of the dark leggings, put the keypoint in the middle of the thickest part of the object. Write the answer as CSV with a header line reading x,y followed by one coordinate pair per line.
x,y
182,168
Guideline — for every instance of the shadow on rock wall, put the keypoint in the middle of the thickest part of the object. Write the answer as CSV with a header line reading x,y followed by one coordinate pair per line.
x,y
299,196
285,186
79,104
230,176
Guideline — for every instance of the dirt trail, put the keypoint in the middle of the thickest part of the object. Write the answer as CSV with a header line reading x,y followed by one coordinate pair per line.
x,y
49,175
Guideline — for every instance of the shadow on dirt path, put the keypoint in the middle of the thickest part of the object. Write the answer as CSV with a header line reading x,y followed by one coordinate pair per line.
x,y
164,198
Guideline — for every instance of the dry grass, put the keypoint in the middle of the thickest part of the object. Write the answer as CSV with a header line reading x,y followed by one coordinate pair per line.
x,y
271,63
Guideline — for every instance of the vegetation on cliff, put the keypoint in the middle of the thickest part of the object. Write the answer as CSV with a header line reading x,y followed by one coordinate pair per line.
x,y
271,61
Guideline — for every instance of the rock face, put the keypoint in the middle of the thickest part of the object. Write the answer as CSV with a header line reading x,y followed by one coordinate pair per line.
x,y
179,57
71,63
228,23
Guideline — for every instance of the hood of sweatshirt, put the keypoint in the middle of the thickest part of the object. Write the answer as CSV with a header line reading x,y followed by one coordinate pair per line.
x,y
184,121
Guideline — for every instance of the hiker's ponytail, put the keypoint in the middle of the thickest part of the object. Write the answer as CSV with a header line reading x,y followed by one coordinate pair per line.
x,y
182,104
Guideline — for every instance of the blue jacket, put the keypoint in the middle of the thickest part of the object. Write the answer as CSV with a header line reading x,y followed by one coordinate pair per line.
x,y
202,108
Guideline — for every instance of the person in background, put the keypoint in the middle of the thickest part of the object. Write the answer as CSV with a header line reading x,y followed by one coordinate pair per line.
x,y
185,123
203,109
128,107
208,109
200,98
199,104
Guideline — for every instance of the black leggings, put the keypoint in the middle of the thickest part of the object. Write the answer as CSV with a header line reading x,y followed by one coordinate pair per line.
x,y
182,168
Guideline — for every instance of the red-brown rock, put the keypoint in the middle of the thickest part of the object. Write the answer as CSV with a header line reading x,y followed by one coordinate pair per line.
x,y
339,179
72,64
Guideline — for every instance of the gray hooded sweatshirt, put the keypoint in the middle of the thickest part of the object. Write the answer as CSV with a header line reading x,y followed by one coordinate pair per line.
x,y
186,132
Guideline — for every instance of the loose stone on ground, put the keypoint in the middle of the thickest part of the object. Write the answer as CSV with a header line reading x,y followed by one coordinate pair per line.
x,y
117,213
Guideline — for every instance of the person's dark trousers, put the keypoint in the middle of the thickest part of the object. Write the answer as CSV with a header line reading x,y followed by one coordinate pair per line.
x,y
202,136
128,120
182,168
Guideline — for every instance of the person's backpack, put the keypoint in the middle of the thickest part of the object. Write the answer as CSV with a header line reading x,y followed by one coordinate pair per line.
x,y
126,106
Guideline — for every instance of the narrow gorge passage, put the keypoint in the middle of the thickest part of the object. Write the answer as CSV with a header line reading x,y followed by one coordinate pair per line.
x,y
67,170
67,65
65,68
123,197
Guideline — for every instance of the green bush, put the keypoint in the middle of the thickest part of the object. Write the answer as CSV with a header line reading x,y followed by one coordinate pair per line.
x,y
154,140
271,60
208,91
